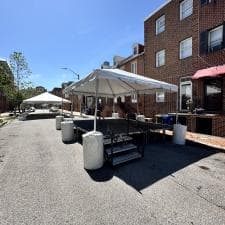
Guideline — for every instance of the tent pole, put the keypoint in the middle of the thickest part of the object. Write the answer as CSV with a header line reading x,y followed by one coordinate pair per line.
x,y
177,107
113,105
96,103
137,103
72,105
62,104
81,98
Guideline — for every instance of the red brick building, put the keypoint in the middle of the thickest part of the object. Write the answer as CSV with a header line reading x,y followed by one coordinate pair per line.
x,y
57,91
134,64
182,37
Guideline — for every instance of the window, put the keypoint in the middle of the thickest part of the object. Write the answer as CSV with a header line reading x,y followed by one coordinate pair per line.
x,y
135,50
186,48
134,98
215,38
160,25
160,58
213,94
185,95
186,8
160,96
212,40
134,67
205,2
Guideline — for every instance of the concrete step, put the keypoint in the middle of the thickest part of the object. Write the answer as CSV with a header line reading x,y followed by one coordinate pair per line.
x,y
120,148
125,158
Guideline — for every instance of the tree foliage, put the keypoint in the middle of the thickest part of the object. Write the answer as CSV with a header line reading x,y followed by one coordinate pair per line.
x,y
7,87
21,72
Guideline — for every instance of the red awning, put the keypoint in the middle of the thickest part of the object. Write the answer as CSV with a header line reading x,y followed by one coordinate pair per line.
x,y
210,72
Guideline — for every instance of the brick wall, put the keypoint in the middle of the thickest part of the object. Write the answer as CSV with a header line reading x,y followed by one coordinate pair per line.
x,y
218,126
203,17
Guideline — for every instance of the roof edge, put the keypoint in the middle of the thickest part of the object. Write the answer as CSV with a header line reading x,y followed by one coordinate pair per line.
x,y
130,58
156,10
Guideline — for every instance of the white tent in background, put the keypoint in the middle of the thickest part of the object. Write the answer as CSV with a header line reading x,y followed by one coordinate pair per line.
x,y
116,82
46,98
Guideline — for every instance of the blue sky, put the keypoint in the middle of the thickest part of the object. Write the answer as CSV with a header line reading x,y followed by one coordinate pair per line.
x,y
79,34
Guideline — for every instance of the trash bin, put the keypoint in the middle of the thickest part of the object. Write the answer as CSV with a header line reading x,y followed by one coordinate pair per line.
x,y
93,153
168,119
179,134
67,131
58,120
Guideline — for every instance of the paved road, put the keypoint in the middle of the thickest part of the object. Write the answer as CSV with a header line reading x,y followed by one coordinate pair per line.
x,y
42,181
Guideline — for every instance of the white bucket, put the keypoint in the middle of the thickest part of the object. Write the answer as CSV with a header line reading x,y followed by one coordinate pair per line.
x,y
179,134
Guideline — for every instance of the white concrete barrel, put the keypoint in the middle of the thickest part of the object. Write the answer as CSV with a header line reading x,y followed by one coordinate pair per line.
x,y
58,120
23,116
140,118
67,131
179,134
115,115
93,150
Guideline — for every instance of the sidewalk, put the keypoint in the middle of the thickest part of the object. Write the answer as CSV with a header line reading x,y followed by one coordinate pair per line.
x,y
209,140
212,141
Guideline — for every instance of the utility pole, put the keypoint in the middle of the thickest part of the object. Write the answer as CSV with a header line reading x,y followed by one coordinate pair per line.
x,y
78,78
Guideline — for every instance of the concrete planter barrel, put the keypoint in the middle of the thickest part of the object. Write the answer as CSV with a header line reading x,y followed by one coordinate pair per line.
x,y
58,120
67,128
115,115
140,118
93,150
179,134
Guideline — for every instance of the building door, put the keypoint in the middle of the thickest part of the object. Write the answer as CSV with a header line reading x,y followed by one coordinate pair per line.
x,y
213,94
185,95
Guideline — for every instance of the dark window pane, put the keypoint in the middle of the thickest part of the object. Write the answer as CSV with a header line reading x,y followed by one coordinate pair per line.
x,y
213,94
186,95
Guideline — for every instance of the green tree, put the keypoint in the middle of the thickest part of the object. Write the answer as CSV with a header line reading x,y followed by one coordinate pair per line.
x,y
7,86
21,72
29,92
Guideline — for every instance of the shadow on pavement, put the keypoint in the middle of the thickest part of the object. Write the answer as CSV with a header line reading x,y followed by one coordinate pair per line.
x,y
160,161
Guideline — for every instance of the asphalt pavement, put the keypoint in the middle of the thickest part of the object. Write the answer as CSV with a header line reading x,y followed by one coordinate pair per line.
x,y
42,181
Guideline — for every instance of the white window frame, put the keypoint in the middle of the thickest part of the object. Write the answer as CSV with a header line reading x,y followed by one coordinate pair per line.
x,y
158,62
209,37
157,98
159,28
182,15
181,84
134,67
182,43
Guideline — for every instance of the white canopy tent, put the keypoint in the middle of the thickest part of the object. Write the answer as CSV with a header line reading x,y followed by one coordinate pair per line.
x,y
116,82
46,98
